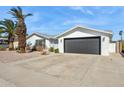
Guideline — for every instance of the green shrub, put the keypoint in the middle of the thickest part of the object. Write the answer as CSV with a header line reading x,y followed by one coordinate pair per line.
x,y
2,47
51,49
17,48
56,50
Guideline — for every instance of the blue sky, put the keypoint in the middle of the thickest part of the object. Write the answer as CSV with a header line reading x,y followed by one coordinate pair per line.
x,y
54,20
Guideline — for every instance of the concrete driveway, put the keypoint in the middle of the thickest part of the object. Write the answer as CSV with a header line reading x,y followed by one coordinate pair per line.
x,y
64,70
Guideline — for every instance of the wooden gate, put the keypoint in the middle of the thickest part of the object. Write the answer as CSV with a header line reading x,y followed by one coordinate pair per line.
x,y
119,47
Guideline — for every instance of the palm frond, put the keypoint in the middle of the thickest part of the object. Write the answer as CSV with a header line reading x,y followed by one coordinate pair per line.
x,y
8,26
28,15
16,12
120,33
19,9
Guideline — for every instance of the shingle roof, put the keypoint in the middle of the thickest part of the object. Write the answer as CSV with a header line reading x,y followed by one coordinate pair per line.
x,y
3,38
43,35
79,26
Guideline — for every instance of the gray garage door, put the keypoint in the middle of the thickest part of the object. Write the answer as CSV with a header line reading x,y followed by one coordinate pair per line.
x,y
90,45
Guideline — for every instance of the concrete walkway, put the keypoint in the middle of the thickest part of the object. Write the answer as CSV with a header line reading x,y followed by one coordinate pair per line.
x,y
64,70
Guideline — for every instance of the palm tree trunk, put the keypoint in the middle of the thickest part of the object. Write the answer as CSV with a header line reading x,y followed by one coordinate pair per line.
x,y
11,46
11,39
21,30
22,43
121,37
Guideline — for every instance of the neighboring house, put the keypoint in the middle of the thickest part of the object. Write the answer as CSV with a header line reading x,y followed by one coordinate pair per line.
x,y
86,40
4,42
44,40
15,43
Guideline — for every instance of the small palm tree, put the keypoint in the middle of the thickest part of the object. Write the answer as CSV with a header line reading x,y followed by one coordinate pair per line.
x,y
1,31
8,26
21,29
121,33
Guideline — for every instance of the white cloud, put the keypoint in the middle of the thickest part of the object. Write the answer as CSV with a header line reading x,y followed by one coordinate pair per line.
x,y
106,10
97,9
76,8
89,12
88,22
82,9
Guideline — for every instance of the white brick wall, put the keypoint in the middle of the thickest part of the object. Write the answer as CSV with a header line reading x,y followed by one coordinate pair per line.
x,y
112,47
33,39
48,44
78,33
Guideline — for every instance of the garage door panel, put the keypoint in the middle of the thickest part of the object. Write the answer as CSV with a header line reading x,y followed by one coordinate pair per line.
x,y
82,45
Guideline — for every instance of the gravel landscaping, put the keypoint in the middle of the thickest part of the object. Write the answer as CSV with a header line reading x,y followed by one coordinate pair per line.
x,y
12,56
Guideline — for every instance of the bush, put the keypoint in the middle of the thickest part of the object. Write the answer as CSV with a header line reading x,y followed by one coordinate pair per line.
x,y
2,48
56,50
51,49
17,48
39,48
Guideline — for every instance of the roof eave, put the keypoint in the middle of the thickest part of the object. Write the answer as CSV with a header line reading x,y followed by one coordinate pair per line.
x,y
84,28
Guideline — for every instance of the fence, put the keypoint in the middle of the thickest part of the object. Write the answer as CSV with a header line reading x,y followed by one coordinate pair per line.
x,y
119,46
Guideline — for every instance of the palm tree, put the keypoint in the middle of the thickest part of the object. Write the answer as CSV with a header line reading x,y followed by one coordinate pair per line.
x,y
121,33
8,26
21,29
1,32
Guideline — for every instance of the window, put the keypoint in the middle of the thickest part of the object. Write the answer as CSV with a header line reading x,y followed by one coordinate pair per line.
x,y
55,41
40,43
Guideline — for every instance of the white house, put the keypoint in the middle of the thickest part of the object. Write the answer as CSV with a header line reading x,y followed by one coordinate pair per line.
x,y
42,39
81,39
